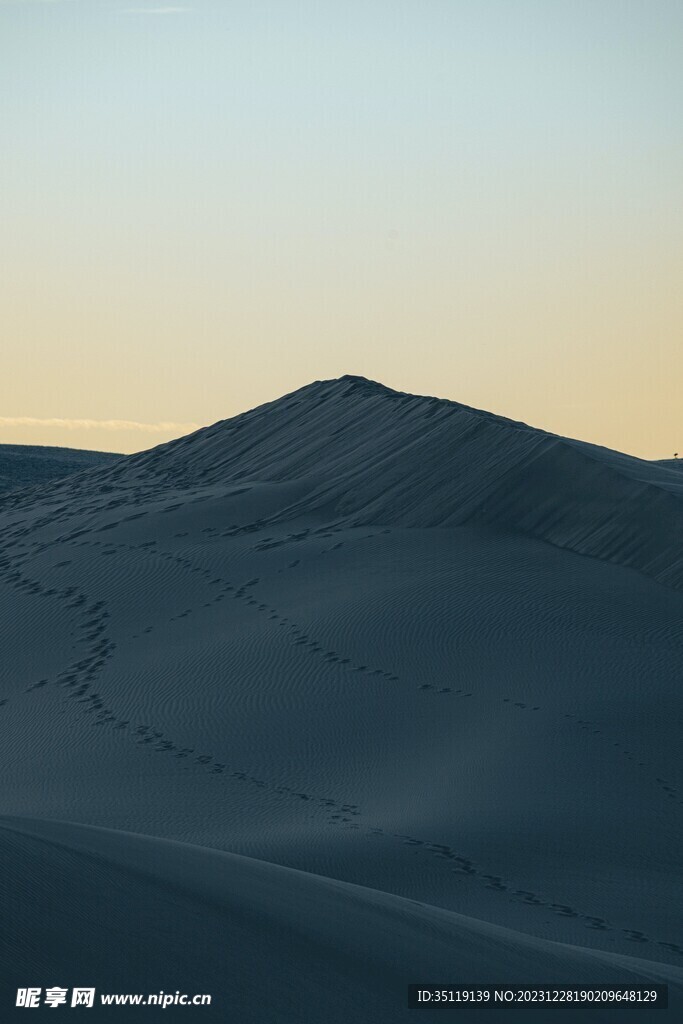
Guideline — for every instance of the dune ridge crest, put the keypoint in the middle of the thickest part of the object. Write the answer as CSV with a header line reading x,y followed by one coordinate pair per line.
x,y
367,455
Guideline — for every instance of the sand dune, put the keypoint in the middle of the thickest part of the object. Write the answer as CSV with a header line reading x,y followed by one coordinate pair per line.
x,y
23,465
329,950
373,688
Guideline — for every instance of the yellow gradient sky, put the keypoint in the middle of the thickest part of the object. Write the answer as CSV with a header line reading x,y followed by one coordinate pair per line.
x,y
204,206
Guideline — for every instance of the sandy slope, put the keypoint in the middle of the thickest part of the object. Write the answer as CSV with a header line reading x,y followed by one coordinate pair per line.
x,y
24,465
285,944
414,651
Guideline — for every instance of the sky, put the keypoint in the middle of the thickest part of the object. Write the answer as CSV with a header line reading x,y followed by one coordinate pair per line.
x,y
206,205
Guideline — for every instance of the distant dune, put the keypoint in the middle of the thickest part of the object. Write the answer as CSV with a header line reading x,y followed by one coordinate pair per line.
x,y
356,690
24,465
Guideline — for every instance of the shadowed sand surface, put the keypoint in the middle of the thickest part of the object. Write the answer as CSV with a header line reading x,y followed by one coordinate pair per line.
x,y
23,465
354,690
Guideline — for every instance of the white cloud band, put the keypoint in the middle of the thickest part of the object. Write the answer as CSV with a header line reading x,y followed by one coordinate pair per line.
x,y
155,10
69,424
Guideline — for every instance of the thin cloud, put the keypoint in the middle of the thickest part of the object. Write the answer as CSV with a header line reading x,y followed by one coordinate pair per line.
x,y
156,10
69,424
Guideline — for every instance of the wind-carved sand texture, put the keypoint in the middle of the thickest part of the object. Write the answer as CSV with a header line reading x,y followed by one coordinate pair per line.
x,y
354,690
27,465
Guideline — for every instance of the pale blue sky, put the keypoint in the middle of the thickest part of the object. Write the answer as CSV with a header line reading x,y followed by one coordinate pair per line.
x,y
207,207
